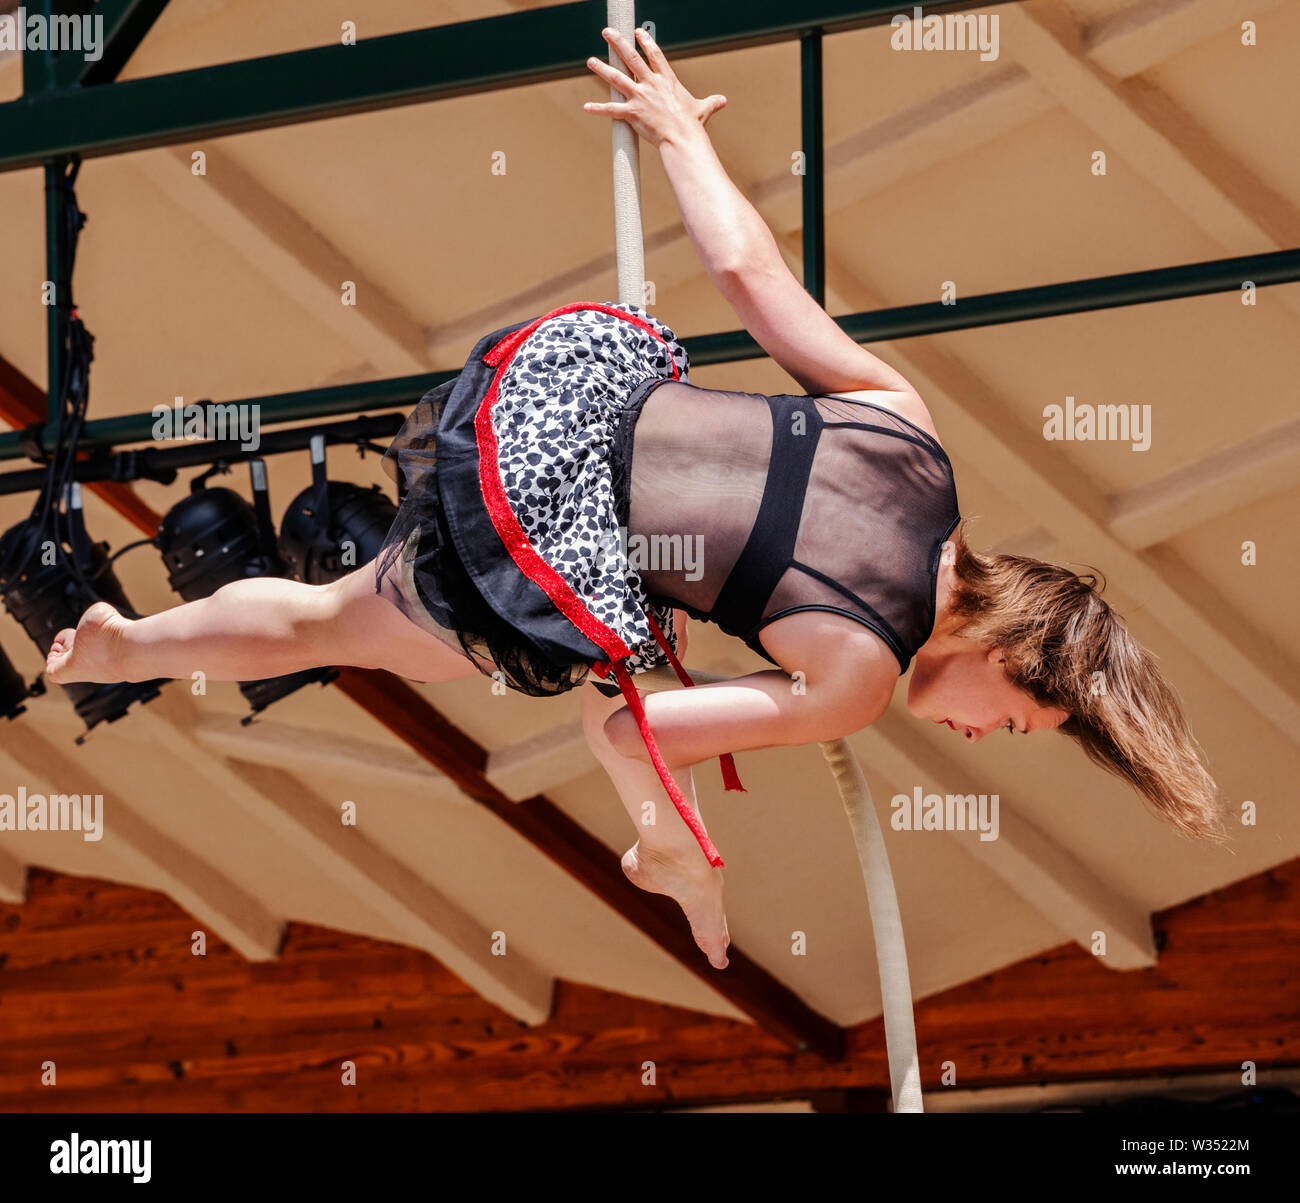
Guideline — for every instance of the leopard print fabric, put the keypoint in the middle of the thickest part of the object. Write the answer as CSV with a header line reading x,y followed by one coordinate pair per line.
x,y
558,406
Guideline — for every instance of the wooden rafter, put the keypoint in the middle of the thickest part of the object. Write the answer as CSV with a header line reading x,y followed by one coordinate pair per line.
x,y
22,403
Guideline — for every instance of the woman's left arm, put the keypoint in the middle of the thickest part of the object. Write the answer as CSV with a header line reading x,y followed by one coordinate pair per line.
x,y
732,240
844,685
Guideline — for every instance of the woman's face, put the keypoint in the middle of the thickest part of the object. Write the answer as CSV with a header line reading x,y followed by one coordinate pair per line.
x,y
958,683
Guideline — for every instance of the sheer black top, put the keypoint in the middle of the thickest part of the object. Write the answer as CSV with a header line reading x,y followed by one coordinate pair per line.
x,y
742,508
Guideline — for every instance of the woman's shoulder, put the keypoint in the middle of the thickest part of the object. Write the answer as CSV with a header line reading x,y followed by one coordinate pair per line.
x,y
824,645
906,403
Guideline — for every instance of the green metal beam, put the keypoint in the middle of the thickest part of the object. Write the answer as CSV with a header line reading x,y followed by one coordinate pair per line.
x,y
403,68
814,166
908,321
59,276
38,65
1029,304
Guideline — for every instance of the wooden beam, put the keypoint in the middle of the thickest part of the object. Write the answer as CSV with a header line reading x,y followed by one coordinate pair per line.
x,y
282,746
205,892
13,878
425,916
533,766
22,403
1047,876
744,983
1141,35
275,240
161,864
1255,468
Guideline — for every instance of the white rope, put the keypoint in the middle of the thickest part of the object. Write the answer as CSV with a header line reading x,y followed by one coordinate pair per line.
x,y
886,925
886,922
628,244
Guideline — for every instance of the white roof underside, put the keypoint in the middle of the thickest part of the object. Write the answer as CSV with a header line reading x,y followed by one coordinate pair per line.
x,y
940,167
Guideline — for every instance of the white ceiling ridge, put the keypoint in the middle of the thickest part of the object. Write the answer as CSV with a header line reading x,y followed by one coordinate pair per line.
x,y
1040,870
300,749
157,862
424,916
271,237
1254,469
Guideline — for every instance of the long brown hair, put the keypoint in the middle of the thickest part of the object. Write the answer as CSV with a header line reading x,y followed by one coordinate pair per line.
x,y
1068,649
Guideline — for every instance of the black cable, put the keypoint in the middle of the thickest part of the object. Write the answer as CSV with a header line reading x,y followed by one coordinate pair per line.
x,y
121,551
73,392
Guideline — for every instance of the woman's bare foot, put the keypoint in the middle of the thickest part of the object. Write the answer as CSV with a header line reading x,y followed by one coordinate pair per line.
x,y
90,653
697,889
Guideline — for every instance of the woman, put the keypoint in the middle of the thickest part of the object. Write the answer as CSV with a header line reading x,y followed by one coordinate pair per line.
x,y
584,495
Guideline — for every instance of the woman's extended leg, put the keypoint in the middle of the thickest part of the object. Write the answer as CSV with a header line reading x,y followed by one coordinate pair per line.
x,y
262,627
665,859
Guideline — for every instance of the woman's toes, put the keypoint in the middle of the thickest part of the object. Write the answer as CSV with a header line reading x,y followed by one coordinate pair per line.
x,y
85,654
57,658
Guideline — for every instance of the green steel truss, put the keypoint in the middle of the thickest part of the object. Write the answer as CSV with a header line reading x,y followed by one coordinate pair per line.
x,y
71,107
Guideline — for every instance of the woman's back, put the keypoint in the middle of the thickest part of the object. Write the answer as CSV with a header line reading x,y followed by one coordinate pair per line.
x,y
743,508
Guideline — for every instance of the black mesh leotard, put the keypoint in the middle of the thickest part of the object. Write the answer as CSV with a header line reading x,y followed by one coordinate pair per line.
x,y
742,508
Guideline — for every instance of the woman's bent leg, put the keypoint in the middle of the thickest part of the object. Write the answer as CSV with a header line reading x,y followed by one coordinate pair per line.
x,y
262,627
665,859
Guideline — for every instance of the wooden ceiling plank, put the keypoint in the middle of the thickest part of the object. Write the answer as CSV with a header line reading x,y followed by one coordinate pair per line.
x,y
22,403
427,917
1254,469
1223,993
13,878
161,864
281,745
275,241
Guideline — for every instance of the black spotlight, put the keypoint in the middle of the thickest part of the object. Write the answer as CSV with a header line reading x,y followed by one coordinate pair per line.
x,y
332,527
49,584
214,537
14,691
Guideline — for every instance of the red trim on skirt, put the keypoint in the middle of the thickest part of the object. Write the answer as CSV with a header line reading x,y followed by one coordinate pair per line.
x,y
536,569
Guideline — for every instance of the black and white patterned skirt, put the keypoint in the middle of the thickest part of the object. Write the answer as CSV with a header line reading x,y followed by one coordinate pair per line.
x,y
510,539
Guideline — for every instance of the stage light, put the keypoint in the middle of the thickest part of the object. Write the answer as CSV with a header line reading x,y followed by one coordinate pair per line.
x,y
49,583
14,691
332,527
214,537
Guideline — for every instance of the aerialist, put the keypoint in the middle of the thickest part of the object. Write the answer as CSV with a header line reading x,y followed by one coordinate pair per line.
x,y
827,523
